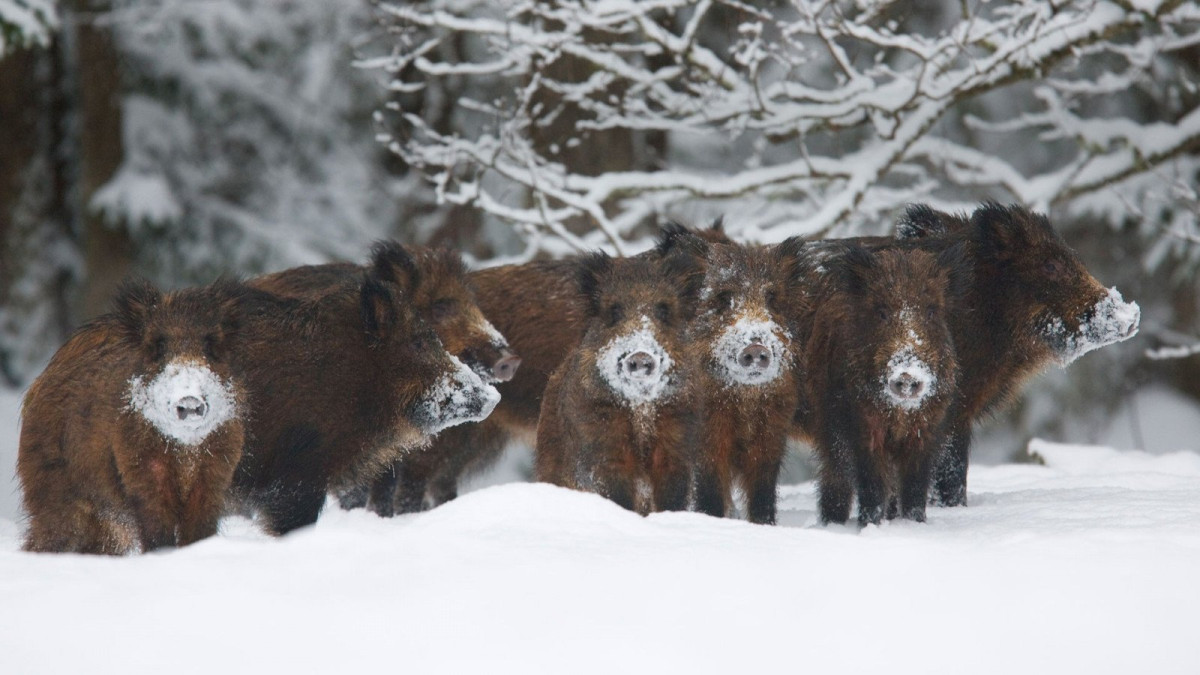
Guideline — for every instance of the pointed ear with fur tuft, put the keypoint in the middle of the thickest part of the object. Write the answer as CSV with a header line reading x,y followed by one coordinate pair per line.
x,y
378,306
851,269
685,267
231,296
791,254
998,231
960,272
392,263
675,236
133,304
590,276
921,220
718,225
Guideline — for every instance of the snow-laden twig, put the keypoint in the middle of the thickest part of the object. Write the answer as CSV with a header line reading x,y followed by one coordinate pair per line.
x,y
833,111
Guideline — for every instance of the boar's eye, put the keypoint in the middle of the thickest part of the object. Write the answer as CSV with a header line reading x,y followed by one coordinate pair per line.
x,y
663,311
158,348
212,347
773,301
443,309
1052,268
881,312
723,300
615,313
931,312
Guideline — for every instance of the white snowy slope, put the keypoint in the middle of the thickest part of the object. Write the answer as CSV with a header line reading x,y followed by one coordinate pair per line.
x,y
1086,564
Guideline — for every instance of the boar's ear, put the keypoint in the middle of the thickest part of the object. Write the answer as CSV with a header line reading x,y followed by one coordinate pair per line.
x,y
674,237
379,313
230,296
718,225
792,254
684,266
391,262
593,267
960,272
852,269
921,220
998,231
135,300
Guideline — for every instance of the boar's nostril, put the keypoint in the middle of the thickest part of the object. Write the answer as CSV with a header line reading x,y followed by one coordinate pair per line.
x,y
755,356
190,406
906,386
640,364
506,368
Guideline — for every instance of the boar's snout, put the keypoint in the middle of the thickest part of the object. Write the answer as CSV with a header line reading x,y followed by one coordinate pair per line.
x,y
906,387
639,365
505,369
755,356
189,407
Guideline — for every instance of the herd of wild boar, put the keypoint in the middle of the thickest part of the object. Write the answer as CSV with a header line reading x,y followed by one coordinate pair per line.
x,y
661,381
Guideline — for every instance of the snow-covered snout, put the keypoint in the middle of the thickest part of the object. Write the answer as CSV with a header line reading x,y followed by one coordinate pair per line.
x,y
749,352
186,401
459,396
635,365
909,380
1111,319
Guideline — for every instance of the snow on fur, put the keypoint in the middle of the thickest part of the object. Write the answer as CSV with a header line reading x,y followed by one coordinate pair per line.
x,y
906,362
634,388
164,401
728,348
1111,320
459,396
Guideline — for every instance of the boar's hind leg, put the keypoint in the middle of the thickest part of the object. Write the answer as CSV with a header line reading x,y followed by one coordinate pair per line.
x,y
950,474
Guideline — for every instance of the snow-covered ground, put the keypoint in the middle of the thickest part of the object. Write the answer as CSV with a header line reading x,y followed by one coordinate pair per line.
x,y
1086,564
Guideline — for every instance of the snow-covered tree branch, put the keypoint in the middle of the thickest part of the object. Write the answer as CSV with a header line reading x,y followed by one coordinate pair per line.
x,y
801,117
26,23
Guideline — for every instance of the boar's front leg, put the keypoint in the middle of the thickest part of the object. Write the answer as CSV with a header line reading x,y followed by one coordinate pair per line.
x,y
950,472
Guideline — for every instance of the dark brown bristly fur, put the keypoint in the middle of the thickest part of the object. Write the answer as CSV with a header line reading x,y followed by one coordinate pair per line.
x,y
97,477
324,417
1025,278
443,298
873,312
590,436
749,298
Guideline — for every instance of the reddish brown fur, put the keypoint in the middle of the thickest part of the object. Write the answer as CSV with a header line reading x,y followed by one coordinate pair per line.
x,y
869,308
745,426
97,477
591,438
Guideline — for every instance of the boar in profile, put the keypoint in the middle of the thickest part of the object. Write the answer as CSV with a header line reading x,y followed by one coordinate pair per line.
x,y
340,386
1032,303
130,437
881,375
620,413
446,301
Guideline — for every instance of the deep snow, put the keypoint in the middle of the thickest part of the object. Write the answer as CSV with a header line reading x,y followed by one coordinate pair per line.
x,y
1086,564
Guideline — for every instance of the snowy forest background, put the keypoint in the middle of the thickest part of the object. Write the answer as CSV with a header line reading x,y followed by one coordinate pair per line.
x,y
179,139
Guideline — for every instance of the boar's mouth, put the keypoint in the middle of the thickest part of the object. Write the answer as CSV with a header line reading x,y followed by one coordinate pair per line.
x,y
1110,320
459,396
185,402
